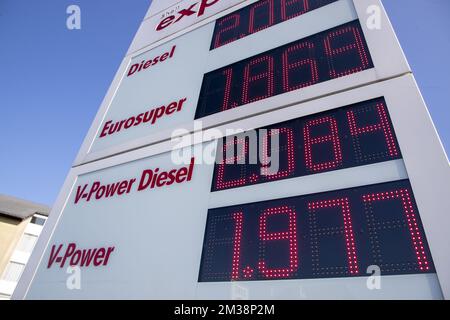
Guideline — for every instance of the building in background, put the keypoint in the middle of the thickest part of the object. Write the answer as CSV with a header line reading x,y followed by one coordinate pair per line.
x,y
21,223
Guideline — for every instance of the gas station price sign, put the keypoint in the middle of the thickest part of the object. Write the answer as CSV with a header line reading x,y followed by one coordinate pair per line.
x,y
346,137
259,16
331,54
326,235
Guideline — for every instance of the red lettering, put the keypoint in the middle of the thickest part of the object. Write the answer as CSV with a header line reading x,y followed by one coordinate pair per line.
x,y
105,129
94,188
228,73
235,21
171,108
108,253
289,235
205,4
172,51
147,64
164,57
335,55
70,250
87,256
265,169
238,218
152,178
298,6
111,189
158,113
151,116
135,68
191,169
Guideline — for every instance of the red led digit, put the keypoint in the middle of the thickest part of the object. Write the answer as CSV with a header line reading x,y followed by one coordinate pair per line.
x,y
290,235
383,126
269,5
357,46
250,78
238,219
333,137
265,169
298,6
289,67
350,246
221,183
228,73
235,22
413,227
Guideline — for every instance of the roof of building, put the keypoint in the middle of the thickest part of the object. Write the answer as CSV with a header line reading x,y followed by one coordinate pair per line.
x,y
21,209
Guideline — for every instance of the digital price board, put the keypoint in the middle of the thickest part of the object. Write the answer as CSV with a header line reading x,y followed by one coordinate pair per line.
x,y
263,55
327,235
342,138
331,54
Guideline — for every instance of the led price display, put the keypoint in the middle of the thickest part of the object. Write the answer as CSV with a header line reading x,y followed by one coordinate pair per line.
x,y
326,235
346,137
259,16
331,54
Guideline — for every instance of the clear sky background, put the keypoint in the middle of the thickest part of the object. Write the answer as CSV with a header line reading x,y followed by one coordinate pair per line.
x,y
52,80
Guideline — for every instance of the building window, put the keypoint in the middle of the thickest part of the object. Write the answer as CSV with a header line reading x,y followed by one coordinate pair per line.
x,y
38,220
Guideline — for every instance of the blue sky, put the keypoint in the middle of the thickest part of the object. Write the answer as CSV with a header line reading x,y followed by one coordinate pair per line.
x,y
53,80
